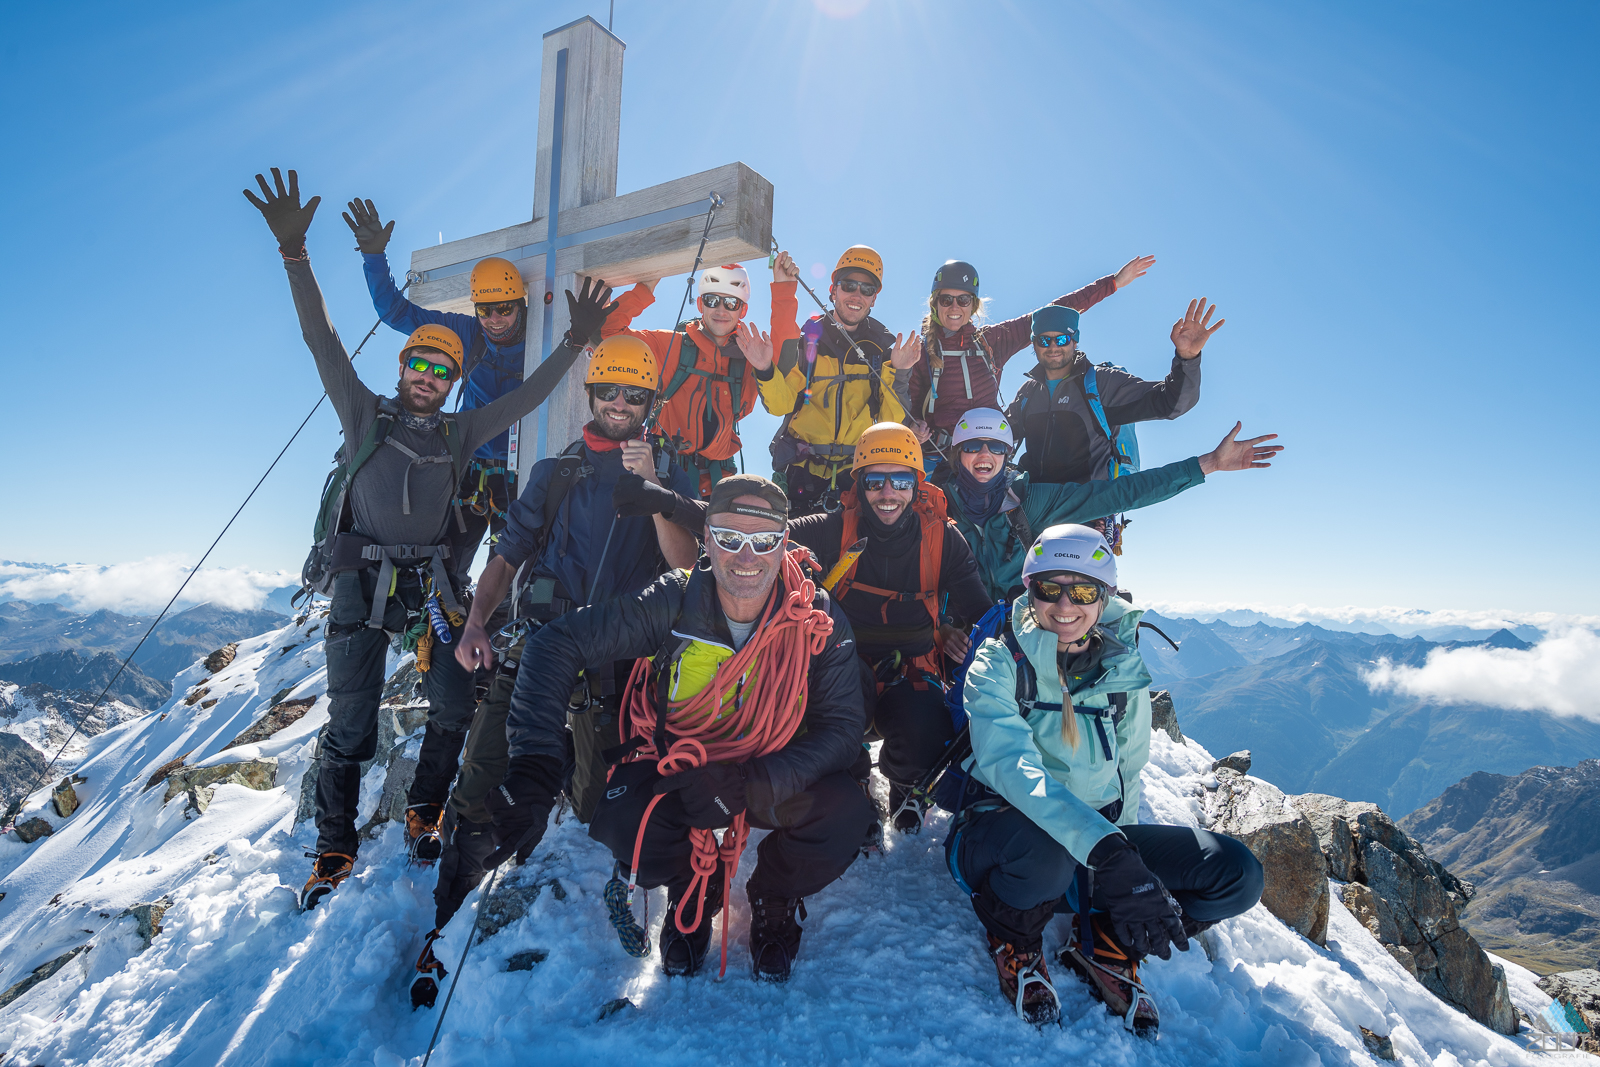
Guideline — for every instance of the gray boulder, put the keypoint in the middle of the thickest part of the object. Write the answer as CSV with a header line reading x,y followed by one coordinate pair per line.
x,y
199,783
1239,761
1259,815
1163,716
1409,903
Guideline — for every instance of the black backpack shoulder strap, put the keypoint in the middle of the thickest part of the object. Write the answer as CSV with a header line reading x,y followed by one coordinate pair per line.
x,y
570,466
1017,520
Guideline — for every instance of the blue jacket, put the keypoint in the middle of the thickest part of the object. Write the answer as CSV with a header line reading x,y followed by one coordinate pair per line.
x,y
1058,786
582,524
499,370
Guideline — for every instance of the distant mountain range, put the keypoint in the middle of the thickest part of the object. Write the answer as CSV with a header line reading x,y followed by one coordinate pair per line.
x,y
1529,842
1295,697
28,630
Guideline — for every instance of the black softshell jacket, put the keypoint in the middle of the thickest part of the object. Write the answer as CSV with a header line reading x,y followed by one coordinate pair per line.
x,y
630,627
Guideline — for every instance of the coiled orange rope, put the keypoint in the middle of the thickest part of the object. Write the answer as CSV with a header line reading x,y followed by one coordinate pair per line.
x,y
768,682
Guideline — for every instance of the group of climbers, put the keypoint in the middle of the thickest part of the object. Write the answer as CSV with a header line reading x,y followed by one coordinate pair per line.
x,y
720,651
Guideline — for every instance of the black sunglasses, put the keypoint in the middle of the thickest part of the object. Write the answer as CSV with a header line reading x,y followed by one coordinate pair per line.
x,y
972,448
716,300
873,482
850,285
633,394
964,300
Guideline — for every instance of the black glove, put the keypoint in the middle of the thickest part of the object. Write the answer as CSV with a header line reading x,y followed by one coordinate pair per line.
x,y
372,236
288,220
712,795
634,496
519,808
1143,914
588,311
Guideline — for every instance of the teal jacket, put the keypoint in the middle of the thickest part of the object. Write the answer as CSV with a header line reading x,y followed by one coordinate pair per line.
x,y
999,550
1060,787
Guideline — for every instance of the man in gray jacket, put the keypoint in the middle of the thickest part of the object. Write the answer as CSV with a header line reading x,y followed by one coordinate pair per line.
x,y
393,559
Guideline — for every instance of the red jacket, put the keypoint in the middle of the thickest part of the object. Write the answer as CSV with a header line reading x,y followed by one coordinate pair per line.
x,y
701,411
999,341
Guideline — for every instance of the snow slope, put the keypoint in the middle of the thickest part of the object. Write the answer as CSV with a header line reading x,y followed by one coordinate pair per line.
x,y
893,968
44,724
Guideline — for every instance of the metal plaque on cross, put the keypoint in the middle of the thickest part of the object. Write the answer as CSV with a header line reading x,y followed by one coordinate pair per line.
x,y
581,227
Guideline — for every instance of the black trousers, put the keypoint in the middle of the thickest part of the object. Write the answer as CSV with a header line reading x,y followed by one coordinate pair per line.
x,y
817,834
913,723
1006,854
356,660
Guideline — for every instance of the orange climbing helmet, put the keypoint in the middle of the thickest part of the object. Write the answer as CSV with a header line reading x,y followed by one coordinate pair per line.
x,y
623,360
433,335
860,257
888,442
495,280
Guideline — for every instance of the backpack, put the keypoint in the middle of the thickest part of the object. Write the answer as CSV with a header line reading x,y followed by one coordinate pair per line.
x,y
931,509
334,514
936,360
1125,442
688,359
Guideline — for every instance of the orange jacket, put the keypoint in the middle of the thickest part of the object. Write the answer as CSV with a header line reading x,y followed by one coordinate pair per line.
x,y
701,411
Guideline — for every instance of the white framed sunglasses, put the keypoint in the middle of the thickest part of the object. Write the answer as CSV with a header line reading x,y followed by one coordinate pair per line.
x,y
761,543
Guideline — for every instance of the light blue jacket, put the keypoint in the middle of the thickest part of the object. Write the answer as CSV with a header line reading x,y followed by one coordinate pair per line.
x,y
1026,761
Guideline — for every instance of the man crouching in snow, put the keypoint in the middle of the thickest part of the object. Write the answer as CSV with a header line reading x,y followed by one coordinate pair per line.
x,y
748,713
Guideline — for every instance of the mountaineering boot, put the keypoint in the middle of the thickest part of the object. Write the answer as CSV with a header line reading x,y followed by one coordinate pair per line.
x,y
908,808
1112,974
1025,982
430,972
423,843
328,869
874,843
683,954
775,936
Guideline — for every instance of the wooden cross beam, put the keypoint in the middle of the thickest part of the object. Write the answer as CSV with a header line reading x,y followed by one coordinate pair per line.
x,y
580,226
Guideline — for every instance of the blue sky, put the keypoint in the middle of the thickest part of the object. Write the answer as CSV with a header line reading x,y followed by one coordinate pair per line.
x,y
1394,206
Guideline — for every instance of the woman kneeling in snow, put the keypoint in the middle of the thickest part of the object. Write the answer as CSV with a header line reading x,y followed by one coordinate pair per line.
x,y
1059,708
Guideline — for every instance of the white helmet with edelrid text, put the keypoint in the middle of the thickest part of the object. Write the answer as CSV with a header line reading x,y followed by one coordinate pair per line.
x,y
1074,548
983,424
730,279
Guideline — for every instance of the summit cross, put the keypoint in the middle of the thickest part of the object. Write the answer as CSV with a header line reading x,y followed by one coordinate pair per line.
x,y
580,225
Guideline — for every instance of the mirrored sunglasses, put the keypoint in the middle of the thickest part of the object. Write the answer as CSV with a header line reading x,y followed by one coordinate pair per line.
x,y
972,448
901,480
485,310
1083,593
1059,340
761,544
442,371
716,300
633,394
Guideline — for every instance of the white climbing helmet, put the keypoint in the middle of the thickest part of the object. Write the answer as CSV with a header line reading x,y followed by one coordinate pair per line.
x,y
730,279
983,424
1074,548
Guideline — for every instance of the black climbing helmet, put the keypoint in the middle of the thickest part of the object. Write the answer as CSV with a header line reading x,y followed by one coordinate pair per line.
x,y
956,274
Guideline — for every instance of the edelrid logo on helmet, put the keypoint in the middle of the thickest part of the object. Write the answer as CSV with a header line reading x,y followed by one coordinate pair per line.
x,y
1069,555
892,449
612,368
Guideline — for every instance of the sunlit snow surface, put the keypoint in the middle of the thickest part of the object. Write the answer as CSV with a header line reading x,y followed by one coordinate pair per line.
x,y
892,969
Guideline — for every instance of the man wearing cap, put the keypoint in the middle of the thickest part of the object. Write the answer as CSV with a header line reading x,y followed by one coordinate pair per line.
x,y
705,385
829,384
495,338
573,549
733,608
1070,411
962,362
907,582
391,567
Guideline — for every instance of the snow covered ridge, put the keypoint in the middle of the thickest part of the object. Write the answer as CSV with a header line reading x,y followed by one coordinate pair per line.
x,y
893,968
1404,622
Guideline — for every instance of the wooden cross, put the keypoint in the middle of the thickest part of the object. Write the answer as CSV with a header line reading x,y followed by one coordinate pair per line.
x,y
580,225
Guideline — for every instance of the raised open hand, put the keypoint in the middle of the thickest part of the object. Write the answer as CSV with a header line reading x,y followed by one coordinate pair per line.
x,y
372,236
1134,268
1235,455
588,310
906,351
1190,333
287,219
756,346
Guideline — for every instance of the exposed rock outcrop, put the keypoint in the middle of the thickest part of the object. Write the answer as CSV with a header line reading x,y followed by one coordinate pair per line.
x,y
222,657
200,782
278,716
1282,839
1409,903
1162,715
41,973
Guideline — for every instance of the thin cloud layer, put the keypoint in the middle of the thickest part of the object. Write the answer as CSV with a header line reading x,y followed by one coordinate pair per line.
x,y
142,587
1400,620
1559,675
